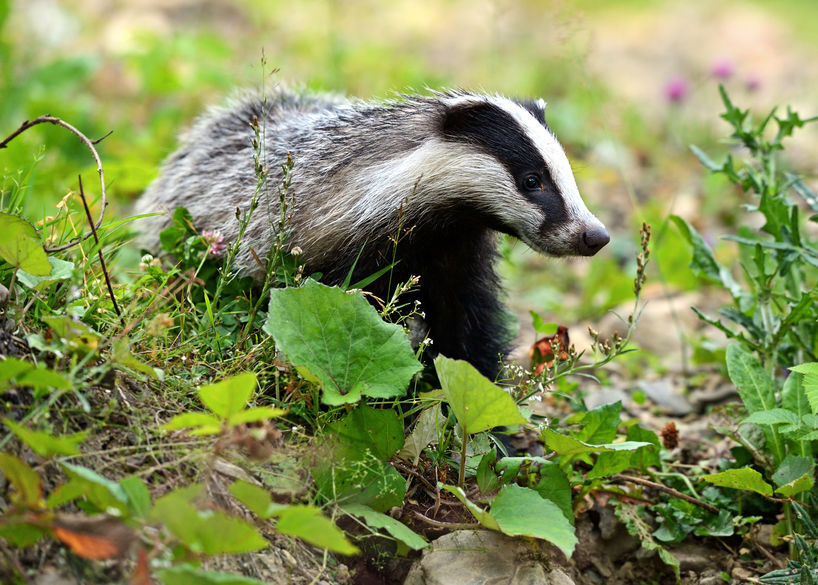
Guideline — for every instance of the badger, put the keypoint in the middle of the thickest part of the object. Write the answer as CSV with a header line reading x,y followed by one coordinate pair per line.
x,y
451,169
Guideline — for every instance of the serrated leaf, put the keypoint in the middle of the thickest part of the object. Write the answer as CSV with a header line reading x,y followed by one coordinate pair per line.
x,y
477,403
746,478
753,382
378,520
230,396
20,247
703,263
774,416
810,382
342,340
44,444
521,511
599,424
310,525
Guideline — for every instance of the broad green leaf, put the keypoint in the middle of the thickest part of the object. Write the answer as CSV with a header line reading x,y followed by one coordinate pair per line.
x,y
555,486
566,446
774,416
20,533
204,531
42,378
60,270
810,373
190,575
754,384
231,395
794,475
44,444
599,425
310,525
397,529
100,491
25,480
201,422
746,478
477,404
139,498
610,463
541,326
256,498
482,516
646,456
342,340
521,511
20,245
366,428
361,480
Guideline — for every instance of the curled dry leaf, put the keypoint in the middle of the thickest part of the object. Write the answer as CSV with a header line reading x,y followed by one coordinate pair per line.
x,y
94,537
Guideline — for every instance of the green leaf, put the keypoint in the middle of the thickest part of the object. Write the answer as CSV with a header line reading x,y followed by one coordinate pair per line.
x,y
566,446
310,525
794,475
610,463
231,395
540,326
367,429
703,263
521,511
256,414
810,373
774,416
753,382
123,356
256,498
190,575
139,498
203,423
60,270
397,529
342,340
208,531
555,486
24,480
704,159
100,491
428,427
599,425
645,457
746,478
20,245
44,444
477,404
483,517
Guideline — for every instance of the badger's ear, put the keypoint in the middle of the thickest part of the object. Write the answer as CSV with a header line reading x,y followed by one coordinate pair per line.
x,y
469,119
537,109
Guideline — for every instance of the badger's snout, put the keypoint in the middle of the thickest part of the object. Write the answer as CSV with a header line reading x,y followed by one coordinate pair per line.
x,y
593,240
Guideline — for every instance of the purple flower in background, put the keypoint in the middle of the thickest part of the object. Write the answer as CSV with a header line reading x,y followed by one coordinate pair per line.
x,y
676,90
753,83
722,69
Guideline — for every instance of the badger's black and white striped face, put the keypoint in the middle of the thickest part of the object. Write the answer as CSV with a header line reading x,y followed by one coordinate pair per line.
x,y
525,182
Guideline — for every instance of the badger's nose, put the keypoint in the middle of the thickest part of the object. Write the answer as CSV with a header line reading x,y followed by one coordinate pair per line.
x,y
592,241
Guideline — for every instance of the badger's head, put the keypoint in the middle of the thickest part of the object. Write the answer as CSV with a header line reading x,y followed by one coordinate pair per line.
x,y
516,174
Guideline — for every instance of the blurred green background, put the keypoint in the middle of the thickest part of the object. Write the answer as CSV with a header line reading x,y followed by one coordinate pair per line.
x,y
630,85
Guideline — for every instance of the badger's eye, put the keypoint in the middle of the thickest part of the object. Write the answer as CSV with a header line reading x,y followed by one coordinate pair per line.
x,y
532,182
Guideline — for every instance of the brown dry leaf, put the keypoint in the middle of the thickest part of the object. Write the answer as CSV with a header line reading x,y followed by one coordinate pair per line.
x,y
95,537
142,573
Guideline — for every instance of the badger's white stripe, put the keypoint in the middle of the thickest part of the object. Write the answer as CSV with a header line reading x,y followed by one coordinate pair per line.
x,y
444,173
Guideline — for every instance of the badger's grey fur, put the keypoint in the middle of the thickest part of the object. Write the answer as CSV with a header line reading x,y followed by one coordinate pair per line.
x,y
456,167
